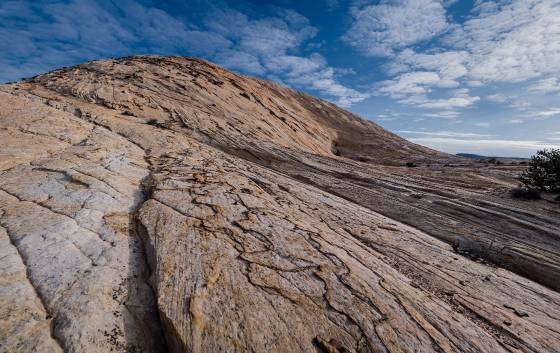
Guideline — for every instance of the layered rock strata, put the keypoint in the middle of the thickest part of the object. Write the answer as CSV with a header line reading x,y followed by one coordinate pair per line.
x,y
155,204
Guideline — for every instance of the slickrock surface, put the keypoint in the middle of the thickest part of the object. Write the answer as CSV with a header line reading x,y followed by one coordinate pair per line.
x,y
155,204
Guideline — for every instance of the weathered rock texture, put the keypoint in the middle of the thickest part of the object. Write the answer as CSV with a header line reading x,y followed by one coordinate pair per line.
x,y
166,205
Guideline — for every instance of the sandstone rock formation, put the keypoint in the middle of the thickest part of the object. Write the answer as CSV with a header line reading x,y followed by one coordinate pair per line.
x,y
154,204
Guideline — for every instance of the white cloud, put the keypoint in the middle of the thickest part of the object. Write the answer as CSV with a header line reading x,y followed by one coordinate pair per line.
x,y
548,113
483,124
324,81
512,41
460,99
507,41
549,85
498,98
447,114
449,65
261,37
415,93
489,147
411,83
520,104
294,66
264,47
516,121
513,101
379,30
445,133
389,115
37,37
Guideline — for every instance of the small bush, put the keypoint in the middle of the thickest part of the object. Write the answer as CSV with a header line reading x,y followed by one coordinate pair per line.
x,y
543,172
557,198
492,160
410,164
525,194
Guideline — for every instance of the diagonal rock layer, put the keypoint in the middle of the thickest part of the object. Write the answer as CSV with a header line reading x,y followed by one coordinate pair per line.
x,y
164,204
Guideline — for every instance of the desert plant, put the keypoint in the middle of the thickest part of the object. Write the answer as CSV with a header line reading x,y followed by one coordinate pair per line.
x,y
525,194
543,171
410,164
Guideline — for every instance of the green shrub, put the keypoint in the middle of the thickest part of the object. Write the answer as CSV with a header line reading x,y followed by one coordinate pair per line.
x,y
410,164
543,171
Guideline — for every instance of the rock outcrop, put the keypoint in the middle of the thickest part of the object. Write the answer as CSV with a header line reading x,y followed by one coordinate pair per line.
x,y
154,204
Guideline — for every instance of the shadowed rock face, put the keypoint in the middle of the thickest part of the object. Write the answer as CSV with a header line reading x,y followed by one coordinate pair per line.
x,y
155,204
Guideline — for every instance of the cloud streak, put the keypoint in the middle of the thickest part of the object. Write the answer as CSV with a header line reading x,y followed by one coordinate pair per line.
x,y
492,147
548,85
445,133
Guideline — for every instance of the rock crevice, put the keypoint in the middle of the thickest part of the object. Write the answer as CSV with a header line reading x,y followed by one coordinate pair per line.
x,y
167,205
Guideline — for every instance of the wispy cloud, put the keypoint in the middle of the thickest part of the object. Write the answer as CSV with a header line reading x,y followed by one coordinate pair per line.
x,y
495,147
498,98
502,42
447,114
36,37
414,89
483,124
549,85
446,133
519,104
505,41
379,30
548,113
332,4
448,65
264,47
460,99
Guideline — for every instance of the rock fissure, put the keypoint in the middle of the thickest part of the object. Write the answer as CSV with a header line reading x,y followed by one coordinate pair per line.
x,y
48,317
231,214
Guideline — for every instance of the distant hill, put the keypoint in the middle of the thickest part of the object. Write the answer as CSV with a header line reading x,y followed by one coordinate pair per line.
x,y
477,156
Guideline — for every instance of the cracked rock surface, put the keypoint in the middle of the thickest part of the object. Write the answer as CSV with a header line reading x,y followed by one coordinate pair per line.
x,y
152,204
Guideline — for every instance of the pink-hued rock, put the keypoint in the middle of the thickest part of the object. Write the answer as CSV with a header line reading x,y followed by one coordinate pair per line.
x,y
152,204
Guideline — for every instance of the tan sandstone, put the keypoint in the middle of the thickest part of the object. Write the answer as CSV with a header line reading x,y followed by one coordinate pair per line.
x,y
152,204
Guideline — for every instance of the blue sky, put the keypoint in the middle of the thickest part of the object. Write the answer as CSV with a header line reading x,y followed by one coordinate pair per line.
x,y
457,75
